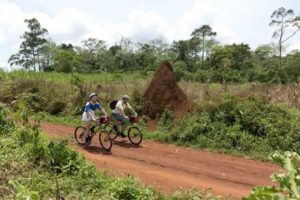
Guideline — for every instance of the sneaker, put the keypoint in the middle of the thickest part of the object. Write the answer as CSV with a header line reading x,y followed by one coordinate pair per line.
x,y
123,135
92,129
88,140
115,128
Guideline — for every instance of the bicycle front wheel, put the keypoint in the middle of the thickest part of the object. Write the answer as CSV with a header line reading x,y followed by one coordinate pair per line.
x,y
135,136
110,129
105,140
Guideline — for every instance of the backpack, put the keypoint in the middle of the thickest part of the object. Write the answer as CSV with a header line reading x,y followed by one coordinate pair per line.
x,y
113,104
83,109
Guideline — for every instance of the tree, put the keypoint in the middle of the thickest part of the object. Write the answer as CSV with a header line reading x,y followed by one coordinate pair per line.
x,y
47,54
292,68
66,59
145,55
33,41
92,54
286,26
263,52
202,33
186,50
179,70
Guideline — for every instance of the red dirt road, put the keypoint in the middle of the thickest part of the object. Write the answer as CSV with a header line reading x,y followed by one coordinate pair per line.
x,y
167,166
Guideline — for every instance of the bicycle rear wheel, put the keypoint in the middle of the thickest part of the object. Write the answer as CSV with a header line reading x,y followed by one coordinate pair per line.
x,y
105,140
135,136
110,129
79,135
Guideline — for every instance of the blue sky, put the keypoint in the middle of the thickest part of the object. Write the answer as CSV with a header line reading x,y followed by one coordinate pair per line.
x,y
71,21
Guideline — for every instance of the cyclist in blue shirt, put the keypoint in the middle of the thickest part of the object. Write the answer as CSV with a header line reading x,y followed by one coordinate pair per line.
x,y
89,113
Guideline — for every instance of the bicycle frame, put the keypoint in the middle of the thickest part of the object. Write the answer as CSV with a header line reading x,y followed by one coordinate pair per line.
x,y
127,125
96,128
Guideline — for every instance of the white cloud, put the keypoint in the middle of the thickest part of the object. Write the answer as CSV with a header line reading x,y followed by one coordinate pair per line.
x,y
145,26
4,66
293,47
202,12
206,12
2,37
68,26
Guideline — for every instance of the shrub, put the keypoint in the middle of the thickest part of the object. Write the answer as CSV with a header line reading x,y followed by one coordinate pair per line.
x,y
57,107
166,117
233,124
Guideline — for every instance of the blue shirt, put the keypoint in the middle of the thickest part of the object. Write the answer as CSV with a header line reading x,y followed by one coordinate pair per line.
x,y
89,106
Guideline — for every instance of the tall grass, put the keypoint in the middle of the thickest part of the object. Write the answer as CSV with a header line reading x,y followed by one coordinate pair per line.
x,y
67,77
288,95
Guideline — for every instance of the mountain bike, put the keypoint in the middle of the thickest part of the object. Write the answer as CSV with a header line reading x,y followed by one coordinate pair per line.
x,y
134,134
104,137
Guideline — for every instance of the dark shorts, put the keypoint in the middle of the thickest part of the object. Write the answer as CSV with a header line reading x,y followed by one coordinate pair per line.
x,y
119,118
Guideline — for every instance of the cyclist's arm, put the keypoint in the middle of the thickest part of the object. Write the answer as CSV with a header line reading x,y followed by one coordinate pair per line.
x,y
91,116
88,110
131,109
103,111
123,113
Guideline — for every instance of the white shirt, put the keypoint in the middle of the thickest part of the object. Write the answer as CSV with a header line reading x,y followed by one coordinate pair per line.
x,y
121,106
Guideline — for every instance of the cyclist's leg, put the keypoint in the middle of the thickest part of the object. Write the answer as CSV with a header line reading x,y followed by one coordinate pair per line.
x,y
86,119
120,120
123,122
87,126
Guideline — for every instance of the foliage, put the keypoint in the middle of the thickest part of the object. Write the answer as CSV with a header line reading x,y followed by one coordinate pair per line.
x,y
179,70
289,180
253,127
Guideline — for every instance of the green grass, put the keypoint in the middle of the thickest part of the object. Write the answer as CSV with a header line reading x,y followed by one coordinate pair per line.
x,y
67,77
69,120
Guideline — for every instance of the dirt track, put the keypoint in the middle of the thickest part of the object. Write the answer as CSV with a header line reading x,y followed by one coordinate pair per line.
x,y
167,166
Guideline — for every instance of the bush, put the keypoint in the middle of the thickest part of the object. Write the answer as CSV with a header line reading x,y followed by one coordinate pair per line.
x,y
232,124
166,117
57,107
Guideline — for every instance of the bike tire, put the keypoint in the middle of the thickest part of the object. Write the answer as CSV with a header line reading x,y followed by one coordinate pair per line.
x,y
105,140
79,133
131,135
109,127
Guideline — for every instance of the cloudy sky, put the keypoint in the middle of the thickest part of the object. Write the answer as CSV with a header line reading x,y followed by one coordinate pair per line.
x,y
71,21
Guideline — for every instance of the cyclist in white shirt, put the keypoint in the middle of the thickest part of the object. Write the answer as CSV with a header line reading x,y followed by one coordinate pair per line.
x,y
119,113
